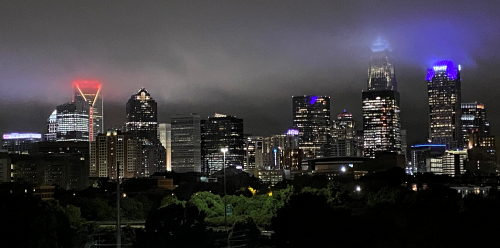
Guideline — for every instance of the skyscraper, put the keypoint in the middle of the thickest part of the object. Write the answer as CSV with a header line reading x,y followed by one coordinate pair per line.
x,y
444,93
311,116
475,126
141,117
343,136
381,74
89,92
186,143
222,131
142,125
72,122
165,131
381,120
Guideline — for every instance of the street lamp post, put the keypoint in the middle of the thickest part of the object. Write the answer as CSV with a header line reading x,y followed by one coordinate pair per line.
x,y
224,150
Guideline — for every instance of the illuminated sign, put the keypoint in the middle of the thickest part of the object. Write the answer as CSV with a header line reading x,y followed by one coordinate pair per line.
x,y
440,68
22,136
292,132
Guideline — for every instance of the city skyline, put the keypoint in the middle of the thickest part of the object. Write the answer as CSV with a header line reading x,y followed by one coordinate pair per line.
x,y
249,55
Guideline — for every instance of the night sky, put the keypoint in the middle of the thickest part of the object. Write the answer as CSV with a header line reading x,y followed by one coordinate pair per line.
x,y
242,58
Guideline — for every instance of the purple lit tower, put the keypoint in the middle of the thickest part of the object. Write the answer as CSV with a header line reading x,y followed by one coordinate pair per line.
x,y
443,89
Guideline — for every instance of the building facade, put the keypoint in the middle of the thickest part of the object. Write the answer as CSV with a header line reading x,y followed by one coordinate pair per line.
x,y
116,150
343,134
444,94
20,143
311,117
72,122
381,112
89,92
165,131
186,143
222,131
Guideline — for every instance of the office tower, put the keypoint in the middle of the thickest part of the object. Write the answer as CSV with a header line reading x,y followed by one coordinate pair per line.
x,y
20,143
450,163
52,127
89,92
311,116
381,120
186,143
343,136
475,126
115,149
381,74
5,168
165,130
421,155
222,131
444,92
72,122
142,125
141,117
253,145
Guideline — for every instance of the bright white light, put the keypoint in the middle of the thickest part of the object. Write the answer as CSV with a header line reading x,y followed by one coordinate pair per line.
x,y
358,189
224,150
342,169
440,68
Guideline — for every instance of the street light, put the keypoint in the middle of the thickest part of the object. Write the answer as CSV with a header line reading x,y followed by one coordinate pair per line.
x,y
224,150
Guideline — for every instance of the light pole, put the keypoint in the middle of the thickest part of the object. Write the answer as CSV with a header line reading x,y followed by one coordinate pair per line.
x,y
224,150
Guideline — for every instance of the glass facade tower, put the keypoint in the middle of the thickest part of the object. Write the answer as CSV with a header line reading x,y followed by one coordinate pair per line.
x,y
444,94
311,116
381,119
89,92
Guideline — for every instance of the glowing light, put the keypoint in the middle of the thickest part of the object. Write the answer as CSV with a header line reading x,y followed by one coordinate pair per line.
x,y
444,65
22,136
380,45
343,169
358,188
429,145
292,132
313,100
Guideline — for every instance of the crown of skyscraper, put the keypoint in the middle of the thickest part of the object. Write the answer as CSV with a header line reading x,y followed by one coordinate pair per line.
x,y
443,65
380,45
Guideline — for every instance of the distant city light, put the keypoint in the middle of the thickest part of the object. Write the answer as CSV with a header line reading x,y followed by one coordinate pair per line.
x,y
358,188
22,136
343,169
313,100
430,145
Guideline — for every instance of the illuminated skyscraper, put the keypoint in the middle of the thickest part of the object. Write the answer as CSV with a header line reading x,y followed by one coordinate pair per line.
x,y
343,136
381,74
222,131
381,120
142,125
475,126
444,92
141,117
89,92
311,116
72,122
186,143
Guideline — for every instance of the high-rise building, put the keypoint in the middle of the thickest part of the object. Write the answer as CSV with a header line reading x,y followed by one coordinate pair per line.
x,y
141,117
20,143
142,125
311,116
475,126
89,92
72,122
343,136
253,145
444,93
381,74
116,149
222,131
381,120
165,131
186,143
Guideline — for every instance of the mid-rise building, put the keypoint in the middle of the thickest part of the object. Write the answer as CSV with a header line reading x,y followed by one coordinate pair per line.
x,y
450,163
343,134
89,92
421,153
20,143
186,143
444,94
116,150
381,112
311,117
165,131
72,122
222,131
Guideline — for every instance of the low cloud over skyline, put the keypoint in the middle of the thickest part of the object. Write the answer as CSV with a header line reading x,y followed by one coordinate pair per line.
x,y
239,58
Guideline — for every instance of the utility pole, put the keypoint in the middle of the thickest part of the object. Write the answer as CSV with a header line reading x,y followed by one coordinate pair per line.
x,y
118,226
